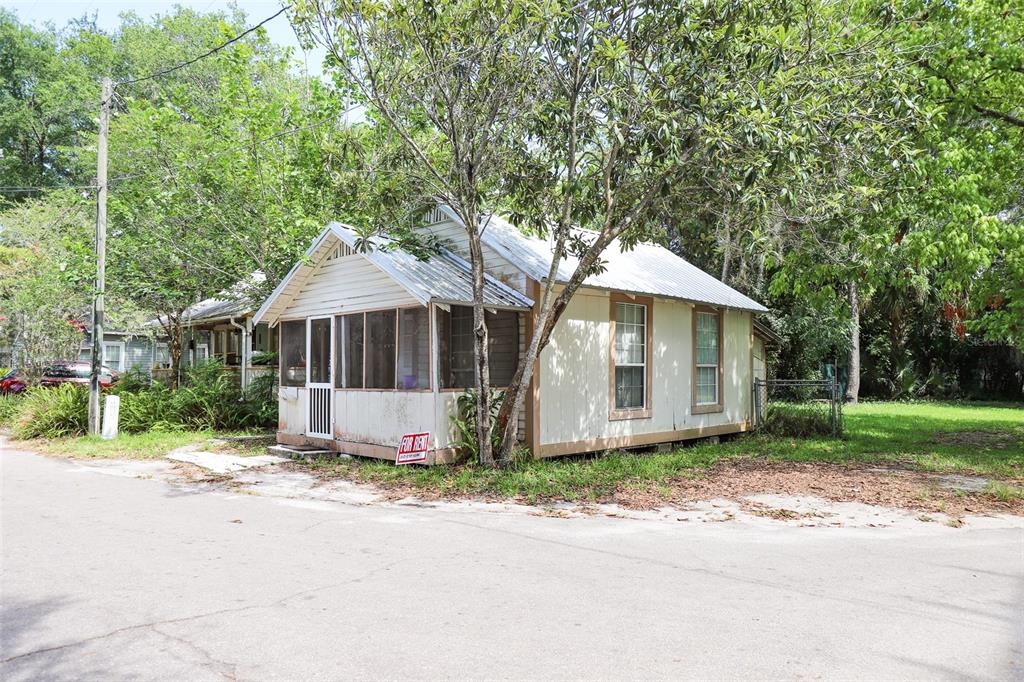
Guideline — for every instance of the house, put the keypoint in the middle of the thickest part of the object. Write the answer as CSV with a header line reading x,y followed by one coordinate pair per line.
x,y
124,351
221,328
376,344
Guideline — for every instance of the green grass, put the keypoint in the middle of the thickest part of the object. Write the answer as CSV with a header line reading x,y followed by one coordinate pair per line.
x,y
149,445
985,439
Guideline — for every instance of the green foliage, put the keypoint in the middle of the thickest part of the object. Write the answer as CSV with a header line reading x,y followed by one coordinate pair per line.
x,y
464,422
9,406
798,420
207,400
930,436
52,412
266,357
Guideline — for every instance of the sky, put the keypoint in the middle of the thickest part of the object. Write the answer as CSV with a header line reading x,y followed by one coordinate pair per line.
x,y
107,12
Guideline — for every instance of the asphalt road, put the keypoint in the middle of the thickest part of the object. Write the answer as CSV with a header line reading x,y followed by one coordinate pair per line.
x,y
109,577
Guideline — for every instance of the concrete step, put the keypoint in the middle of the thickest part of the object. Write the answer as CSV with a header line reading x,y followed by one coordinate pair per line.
x,y
302,451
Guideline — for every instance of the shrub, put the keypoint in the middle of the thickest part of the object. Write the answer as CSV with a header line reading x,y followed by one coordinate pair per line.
x,y
52,412
799,420
206,399
9,405
464,421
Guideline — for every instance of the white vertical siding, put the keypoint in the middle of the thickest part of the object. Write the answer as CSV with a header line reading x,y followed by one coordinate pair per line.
x,y
575,365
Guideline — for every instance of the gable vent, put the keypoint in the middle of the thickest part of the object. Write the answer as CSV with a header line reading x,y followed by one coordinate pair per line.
x,y
436,215
340,251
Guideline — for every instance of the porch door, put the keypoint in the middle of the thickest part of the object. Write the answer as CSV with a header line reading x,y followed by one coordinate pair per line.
x,y
319,342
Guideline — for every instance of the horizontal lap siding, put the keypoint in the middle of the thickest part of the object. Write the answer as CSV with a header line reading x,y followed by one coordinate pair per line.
x,y
574,394
346,284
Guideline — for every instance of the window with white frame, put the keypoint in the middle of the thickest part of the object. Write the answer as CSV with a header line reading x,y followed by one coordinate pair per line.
x,y
630,356
113,355
707,358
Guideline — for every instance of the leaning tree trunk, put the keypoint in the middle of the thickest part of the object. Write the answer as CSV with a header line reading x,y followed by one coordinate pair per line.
x,y
853,380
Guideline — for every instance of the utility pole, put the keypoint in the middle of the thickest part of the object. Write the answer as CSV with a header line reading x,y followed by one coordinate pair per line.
x,y
101,256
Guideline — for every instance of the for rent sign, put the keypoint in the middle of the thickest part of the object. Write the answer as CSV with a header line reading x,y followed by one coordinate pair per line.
x,y
413,448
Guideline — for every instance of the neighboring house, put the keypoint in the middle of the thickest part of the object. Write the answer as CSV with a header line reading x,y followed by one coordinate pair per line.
x,y
378,344
123,351
221,328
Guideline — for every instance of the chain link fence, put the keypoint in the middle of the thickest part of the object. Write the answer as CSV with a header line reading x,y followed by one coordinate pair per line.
x,y
798,408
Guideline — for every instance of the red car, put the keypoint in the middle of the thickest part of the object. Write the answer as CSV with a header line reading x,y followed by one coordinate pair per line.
x,y
76,373
12,382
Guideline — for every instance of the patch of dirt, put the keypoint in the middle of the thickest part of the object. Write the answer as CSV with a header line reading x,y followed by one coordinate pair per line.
x,y
982,438
905,489
738,478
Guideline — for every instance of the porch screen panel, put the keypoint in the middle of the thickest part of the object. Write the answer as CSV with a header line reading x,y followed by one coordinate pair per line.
x,y
413,349
380,349
455,346
320,351
503,333
293,353
348,356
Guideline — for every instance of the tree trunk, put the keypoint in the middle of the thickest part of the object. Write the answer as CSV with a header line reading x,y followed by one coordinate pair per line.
x,y
481,345
853,379
172,327
726,261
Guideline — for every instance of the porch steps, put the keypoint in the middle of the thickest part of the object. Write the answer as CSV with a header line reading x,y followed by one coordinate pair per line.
x,y
302,451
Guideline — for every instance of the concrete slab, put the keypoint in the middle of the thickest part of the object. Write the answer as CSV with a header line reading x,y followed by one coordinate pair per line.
x,y
220,463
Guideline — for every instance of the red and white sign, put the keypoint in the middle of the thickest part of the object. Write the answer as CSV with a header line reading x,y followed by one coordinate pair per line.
x,y
413,448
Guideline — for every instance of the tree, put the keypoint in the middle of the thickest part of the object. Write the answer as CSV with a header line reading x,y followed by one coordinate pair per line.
x,y
615,117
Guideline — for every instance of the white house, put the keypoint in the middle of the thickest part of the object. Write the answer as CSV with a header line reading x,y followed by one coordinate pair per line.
x,y
378,344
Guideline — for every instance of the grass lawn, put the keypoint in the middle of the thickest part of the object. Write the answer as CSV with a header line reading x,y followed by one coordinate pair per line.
x,y
152,445
930,436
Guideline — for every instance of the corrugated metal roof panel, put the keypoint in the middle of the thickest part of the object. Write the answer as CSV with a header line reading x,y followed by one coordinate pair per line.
x,y
442,278
646,269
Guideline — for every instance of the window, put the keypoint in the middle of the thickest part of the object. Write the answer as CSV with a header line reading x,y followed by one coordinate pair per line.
x,y
293,353
348,370
113,355
630,356
455,346
707,358
413,348
320,351
162,356
380,349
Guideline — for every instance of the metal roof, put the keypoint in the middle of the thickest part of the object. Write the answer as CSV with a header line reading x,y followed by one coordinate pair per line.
x,y
645,269
443,278
234,302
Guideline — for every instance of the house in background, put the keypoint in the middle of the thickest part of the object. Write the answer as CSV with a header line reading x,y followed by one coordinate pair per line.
x,y
378,344
123,351
221,328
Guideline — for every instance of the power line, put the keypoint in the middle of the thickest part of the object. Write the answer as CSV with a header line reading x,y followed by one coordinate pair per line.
x,y
215,50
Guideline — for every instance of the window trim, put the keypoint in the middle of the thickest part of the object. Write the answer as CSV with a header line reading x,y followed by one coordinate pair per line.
x,y
120,358
635,412
719,406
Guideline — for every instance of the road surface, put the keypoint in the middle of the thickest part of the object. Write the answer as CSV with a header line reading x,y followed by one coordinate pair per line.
x,y
112,577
